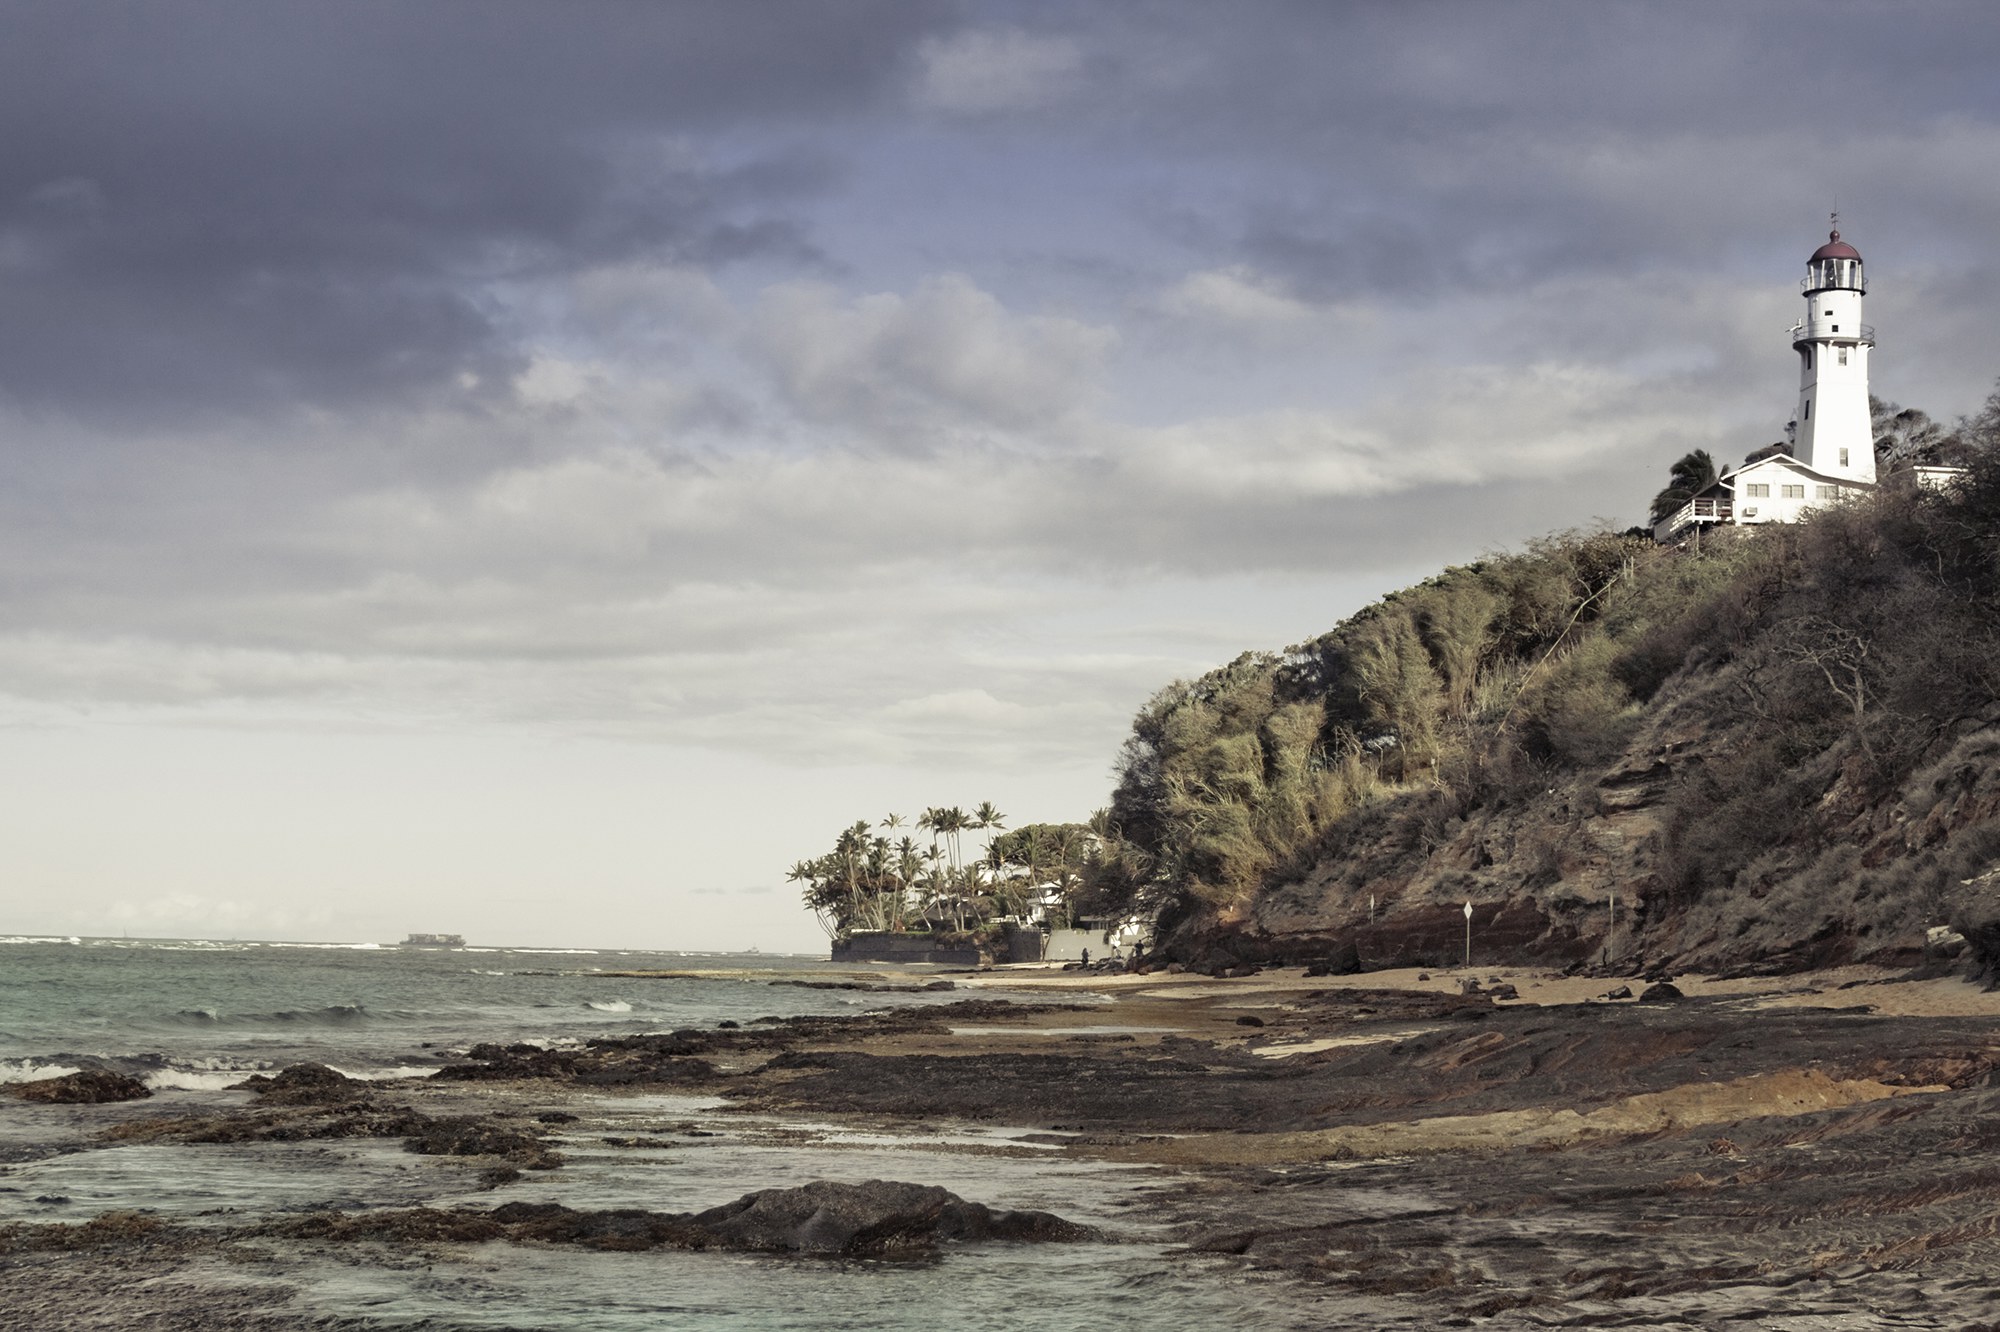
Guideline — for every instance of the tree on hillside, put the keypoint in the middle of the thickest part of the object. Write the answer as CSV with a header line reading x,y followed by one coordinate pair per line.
x,y
1694,473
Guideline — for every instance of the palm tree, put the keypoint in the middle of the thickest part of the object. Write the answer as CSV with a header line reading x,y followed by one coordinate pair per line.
x,y
807,872
955,822
928,821
850,850
909,868
935,881
987,819
1693,474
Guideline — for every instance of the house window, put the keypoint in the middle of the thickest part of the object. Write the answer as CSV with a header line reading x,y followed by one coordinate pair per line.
x,y
1843,457
1759,489
1823,492
1836,327
1843,356
1792,492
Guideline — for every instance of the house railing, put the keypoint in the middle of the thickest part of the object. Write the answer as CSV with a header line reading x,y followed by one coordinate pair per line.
x,y
1695,512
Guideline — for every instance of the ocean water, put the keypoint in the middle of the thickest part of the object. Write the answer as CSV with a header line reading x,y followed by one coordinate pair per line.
x,y
193,1016
199,1013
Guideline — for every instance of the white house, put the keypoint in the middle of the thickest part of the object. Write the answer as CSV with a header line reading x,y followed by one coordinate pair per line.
x,y
1831,448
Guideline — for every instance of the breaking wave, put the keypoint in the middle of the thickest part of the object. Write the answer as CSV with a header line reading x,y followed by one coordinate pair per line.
x,y
331,1015
33,1070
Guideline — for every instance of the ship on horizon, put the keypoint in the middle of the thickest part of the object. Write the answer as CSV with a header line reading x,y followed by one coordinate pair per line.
x,y
435,941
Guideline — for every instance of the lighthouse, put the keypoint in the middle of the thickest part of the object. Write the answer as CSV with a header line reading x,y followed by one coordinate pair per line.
x,y
1829,453
1832,434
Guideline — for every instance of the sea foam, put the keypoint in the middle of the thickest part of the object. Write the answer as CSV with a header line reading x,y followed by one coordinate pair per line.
x,y
32,1070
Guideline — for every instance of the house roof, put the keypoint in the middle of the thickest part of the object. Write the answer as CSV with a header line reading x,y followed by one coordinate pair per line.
x,y
1783,462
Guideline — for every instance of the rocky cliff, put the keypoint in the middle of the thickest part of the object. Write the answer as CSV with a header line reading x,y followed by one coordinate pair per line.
x,y
1779,751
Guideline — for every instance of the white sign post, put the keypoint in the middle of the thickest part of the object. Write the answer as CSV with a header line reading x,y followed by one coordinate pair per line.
x,y
1468,936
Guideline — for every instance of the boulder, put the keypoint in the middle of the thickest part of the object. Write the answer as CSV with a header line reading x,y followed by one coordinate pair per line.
x,y
469,1135
1975,919
92,1086
1661,992
1942,941
873,1219
1344,960
303,1084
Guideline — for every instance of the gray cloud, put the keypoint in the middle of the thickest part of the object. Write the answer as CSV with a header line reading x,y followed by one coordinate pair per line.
x,y
576,442
664,368
216,205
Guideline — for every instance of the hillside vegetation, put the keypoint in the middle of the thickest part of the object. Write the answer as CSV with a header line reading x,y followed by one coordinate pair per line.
x,y
1776,747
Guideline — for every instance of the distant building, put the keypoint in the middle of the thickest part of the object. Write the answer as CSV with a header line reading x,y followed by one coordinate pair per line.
x,y
1830,448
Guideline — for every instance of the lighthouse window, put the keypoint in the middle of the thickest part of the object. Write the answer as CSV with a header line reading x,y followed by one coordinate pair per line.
x,y
1808,415
1792,492
1843,356
1843,457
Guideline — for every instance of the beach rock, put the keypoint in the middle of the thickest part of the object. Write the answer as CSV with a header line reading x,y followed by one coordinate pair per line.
x,y
876,1219
468,1135
1622,992
355,1119
1976,921
1662,992
92,1086
303,1084
1504,990
1943,942
873,1219
1345,960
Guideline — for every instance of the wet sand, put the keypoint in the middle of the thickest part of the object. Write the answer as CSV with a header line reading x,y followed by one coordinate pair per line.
x,y
1814,1150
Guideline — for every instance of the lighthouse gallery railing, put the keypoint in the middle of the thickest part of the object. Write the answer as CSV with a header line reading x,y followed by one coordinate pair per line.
x,y
1801,333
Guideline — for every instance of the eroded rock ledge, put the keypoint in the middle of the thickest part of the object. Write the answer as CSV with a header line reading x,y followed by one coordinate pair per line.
x,y
876,1219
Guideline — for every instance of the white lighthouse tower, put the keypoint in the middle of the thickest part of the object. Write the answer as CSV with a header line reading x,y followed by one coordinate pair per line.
x,y
1832,432
1830,454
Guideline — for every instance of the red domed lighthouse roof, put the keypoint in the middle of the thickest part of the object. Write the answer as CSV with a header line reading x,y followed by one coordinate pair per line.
x,y
1835,248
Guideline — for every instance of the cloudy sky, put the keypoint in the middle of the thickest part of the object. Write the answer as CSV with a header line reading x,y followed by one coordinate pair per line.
x,y
538,469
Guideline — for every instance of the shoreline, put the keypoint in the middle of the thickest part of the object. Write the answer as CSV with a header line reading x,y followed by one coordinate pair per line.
x,y
1282,1117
